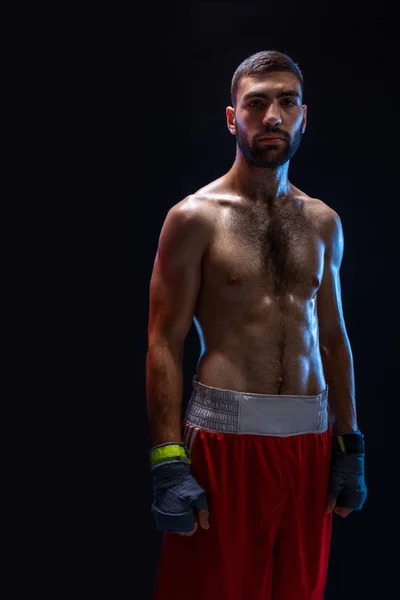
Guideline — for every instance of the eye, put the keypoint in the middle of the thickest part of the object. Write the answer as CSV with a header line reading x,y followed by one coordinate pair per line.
x,y
255,103
289,102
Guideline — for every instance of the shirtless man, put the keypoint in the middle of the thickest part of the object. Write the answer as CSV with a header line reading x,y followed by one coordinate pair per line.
x,y
245,485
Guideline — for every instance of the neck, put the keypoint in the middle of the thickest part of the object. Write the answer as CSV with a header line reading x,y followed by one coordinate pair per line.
x,y
259,183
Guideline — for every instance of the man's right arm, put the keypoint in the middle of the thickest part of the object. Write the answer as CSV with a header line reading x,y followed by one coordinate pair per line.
x,y
174,288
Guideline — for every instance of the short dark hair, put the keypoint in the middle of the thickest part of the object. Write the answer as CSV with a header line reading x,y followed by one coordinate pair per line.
x,y
262,62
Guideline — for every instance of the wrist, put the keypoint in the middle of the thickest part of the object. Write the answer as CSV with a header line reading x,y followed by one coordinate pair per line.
x,y
169,451
350,443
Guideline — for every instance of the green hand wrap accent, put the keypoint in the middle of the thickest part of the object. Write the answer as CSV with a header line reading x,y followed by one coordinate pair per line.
x,y
352,443
346,479
168,452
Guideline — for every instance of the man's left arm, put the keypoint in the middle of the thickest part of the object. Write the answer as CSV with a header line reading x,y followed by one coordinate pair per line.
x,y
336,354
347,489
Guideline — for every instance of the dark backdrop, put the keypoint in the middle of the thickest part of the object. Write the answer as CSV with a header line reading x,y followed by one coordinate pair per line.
x,y
171,71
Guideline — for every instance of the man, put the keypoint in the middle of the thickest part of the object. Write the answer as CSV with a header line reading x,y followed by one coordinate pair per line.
x,y
245,486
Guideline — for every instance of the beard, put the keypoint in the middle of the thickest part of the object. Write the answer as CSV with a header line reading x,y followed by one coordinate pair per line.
x,y
271,157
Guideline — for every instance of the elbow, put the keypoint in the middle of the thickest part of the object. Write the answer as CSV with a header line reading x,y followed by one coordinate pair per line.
x,y
173,343
329,343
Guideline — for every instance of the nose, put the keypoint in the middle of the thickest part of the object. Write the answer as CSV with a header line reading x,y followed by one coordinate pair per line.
x,y
272,115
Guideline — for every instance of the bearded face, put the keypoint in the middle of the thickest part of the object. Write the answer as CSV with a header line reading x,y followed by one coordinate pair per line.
x,y
268,153
269,118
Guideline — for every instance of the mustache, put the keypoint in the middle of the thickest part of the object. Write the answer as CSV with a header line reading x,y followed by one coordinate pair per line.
x,y
281,134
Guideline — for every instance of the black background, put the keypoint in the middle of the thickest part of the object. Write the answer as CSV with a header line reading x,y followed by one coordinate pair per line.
x,y
171,69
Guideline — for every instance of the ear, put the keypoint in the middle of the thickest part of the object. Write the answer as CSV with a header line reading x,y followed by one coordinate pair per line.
x,y
230,119
304,120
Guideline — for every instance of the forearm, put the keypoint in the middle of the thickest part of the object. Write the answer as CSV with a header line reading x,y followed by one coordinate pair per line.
x,y
338,366
164,388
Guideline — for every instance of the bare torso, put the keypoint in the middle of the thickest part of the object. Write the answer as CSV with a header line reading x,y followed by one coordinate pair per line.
x,y
256,313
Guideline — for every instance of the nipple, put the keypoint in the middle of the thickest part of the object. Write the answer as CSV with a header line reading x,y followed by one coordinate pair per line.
x,y
233,278
315,281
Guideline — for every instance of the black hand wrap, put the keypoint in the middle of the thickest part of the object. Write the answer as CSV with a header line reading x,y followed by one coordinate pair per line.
x,y
176,492
346,479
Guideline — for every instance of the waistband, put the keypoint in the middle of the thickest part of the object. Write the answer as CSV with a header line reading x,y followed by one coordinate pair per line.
x,y
228,411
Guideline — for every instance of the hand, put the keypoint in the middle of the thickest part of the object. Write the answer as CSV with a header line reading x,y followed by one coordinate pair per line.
x,y
342,511
202,518
179,502
346,488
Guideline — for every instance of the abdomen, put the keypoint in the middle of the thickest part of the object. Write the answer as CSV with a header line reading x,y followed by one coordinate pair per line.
x,y
278,353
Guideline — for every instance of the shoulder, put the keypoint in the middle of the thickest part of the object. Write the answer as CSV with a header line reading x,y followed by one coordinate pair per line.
x,y
201,206
329,222
330,230
325,219
194,208
189,220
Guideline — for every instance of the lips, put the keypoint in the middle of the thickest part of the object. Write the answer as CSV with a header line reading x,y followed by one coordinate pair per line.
x,y
271,137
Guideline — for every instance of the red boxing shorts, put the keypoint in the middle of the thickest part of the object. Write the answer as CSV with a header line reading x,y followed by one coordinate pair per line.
x,y
264,462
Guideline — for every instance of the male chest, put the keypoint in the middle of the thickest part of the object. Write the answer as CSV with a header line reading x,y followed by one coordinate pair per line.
x,y
261,252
